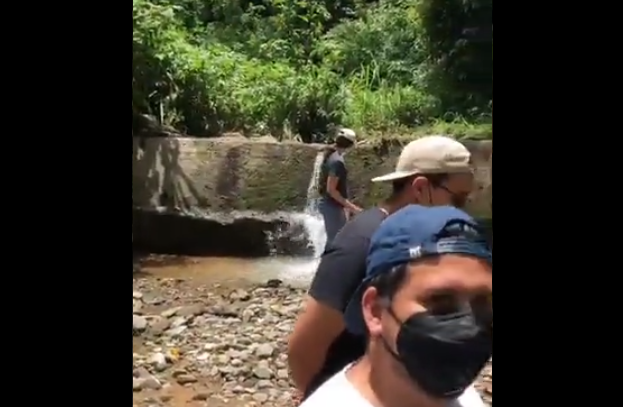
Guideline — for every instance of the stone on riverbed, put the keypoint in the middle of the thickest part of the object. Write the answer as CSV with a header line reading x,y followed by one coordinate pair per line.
x,y
207,343
139,323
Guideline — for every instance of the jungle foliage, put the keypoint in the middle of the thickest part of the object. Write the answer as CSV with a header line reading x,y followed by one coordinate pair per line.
x,y
299,67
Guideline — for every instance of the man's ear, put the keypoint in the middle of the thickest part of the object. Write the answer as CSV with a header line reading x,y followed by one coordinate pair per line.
x,y
419,183
372,310
420,188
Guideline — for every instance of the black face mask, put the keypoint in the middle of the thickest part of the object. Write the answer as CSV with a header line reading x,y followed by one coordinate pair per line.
x,y
443,354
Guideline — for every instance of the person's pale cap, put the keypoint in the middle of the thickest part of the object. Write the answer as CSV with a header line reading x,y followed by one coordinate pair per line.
x,y
348,134
430,155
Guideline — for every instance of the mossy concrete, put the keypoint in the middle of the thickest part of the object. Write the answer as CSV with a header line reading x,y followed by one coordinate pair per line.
x,y
237,174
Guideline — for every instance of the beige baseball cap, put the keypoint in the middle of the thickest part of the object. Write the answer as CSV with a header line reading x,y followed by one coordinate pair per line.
x,y
430,155
348,134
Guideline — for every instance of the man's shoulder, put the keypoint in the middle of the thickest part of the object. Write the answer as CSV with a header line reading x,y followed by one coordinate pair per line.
x,y
342,265
334,158
361,226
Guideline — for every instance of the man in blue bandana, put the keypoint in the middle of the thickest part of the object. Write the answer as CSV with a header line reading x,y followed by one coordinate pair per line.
x,y
425,308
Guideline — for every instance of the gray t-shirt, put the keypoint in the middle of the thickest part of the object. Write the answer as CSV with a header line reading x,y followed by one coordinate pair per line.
x,y
334,166
342,268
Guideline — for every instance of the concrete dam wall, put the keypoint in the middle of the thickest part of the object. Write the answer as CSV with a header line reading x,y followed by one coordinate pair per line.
x,y
204,195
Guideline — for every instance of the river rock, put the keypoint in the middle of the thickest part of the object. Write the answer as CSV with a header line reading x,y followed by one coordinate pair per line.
x,y
264,350
210,343
139,323
158,361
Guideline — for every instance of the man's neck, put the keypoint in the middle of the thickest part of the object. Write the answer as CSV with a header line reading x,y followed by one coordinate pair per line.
x,y
393,205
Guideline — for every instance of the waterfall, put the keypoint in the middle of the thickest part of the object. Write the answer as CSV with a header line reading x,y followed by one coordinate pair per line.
x,y
302,270
311,219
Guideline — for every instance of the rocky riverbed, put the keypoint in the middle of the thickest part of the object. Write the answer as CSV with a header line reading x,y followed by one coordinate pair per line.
x,y
198,345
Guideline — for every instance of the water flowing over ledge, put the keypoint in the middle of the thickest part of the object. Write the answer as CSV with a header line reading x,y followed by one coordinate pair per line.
x,y
249,199
237,233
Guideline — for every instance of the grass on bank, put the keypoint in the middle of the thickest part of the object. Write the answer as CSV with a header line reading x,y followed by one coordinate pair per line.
x,y
460,129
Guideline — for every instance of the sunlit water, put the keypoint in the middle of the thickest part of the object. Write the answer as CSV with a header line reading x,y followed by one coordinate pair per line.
x,y
293,271
314,228
296,271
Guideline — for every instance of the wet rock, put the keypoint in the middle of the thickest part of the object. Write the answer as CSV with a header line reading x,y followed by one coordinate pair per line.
x,y
240,234
139,324
264,350
137,384
201,396
158,361
160,325
239,295
146,383
260,397
273,283
177,331
137,306
224,311
186,378
191,310
170,312
262,371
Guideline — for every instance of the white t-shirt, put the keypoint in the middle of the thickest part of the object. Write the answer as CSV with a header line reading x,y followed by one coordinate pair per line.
x,y
339,392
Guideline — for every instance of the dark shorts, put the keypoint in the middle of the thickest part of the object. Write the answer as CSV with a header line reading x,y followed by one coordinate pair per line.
x,y
333,216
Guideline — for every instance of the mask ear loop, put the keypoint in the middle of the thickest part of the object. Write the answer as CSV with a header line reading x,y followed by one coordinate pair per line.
x,y
386,303
430,195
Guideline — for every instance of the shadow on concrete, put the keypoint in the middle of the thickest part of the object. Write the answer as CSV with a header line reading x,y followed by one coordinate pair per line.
x,y
167,227
174,180
228,179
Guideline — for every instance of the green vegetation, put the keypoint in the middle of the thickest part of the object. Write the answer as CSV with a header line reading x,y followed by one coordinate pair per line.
x,y
284,67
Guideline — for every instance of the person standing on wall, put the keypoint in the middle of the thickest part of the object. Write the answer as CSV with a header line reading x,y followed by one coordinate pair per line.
x,y
334,205
430,171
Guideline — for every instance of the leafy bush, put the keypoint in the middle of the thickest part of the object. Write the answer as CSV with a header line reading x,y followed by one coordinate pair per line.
x,y
299,68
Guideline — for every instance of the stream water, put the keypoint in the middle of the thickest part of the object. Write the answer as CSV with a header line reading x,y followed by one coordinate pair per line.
x,y
295,271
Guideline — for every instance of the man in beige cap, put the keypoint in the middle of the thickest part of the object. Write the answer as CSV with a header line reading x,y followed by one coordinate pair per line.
x,y
334,204
433,169
430,171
